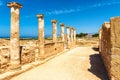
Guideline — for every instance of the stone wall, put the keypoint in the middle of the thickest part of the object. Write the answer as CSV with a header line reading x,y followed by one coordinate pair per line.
x,y
110,47
4,59
115,49
71,45
59,47
52,48
28,53
105,45
49,49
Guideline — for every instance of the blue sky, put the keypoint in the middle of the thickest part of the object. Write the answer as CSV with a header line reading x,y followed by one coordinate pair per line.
x,y
84,15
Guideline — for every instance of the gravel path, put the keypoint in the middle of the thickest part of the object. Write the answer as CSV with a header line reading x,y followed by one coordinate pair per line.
x,y
81,63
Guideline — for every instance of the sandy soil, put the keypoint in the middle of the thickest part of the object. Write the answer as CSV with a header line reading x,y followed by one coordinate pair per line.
x,y
81,63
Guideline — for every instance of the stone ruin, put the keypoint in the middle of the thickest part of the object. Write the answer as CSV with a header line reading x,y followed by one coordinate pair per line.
x,y
109,47
18,55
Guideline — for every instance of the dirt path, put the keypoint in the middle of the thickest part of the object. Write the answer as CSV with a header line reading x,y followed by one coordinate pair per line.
x,y
81,63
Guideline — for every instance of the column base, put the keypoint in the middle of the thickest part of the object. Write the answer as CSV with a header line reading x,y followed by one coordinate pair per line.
x,y
15,65
41,57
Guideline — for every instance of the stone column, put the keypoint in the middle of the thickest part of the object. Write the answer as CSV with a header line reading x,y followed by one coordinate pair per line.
x,y
68,36
40,36
71,34
14,38
74,33
54,28
62,32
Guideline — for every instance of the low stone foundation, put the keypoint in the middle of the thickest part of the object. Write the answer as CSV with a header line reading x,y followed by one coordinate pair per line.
x,y
53,49
28,53
4,59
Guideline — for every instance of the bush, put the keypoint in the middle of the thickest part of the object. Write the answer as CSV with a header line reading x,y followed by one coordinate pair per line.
x,y
95,35
81,34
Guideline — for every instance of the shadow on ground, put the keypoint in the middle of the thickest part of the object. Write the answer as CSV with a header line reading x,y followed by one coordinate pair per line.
x,y
97,67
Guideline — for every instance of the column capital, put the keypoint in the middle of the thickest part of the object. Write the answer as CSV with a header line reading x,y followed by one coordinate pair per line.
x,y
68,27
40,15
14,4
74,29
71,28
54,21
62,24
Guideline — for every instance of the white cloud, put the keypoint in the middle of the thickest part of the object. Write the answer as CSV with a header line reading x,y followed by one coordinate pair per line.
x,y
103,4
1,3
64,11
61,11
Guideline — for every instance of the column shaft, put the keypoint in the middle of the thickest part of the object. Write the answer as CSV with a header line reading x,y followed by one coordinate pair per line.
x,y
71,34
74,31
40,36
62,32
68,36
14,38
54,30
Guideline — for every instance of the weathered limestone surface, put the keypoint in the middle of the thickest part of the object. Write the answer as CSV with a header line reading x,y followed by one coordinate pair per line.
x,y
110,47
14,38
4,59
20,52
59,47
71,34
115,49
62,32
28,55
68,36
52,48
74,38
40,36
100,35
54,26
105,45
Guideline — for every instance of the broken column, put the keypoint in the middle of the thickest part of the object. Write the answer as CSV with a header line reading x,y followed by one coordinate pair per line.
x,y
62,32
40,36
14,38
68,36
54,30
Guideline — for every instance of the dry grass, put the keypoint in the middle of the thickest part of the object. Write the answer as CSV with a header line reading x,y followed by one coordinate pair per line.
x,y
87,41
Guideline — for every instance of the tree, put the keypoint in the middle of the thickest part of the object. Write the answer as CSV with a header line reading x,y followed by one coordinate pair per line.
x,y
95,35
81,34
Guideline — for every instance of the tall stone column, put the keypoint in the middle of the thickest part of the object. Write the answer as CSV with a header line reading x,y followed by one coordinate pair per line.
x,y
14,38
62,31
74,33
68,36
40,36
54,28
71,34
